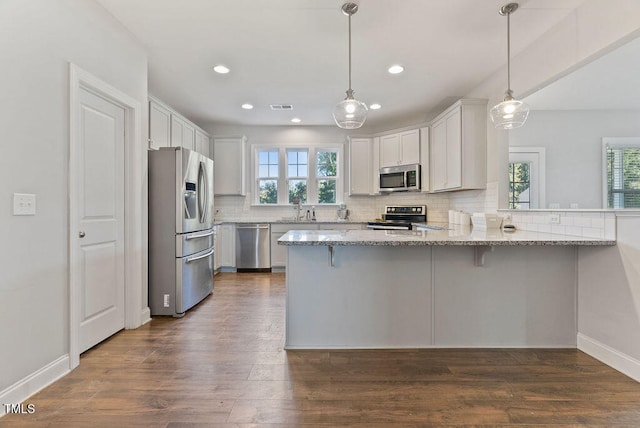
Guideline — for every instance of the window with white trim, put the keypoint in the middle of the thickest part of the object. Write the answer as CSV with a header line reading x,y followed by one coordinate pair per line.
x,y
304,174
622,181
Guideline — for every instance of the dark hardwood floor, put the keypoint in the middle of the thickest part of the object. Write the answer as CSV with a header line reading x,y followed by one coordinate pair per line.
x,y
223,365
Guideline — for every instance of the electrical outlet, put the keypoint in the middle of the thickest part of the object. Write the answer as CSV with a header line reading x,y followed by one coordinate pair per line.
x,y
166,300
554,218
24,204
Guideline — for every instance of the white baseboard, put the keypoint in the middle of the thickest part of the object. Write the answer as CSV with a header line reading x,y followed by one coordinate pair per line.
x,y
145,316
611,357
25,388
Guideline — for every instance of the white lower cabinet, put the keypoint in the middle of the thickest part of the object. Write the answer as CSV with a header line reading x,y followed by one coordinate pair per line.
x,y
226,249
216,247
279,252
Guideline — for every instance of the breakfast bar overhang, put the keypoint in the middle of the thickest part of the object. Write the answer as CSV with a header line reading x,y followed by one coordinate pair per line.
x,y
431,288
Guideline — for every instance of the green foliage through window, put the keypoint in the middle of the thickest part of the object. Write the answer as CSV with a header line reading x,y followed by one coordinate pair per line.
x,y
623,177
519,186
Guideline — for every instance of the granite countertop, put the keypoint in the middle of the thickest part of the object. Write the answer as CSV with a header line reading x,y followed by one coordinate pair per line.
x,y
291,221
458,236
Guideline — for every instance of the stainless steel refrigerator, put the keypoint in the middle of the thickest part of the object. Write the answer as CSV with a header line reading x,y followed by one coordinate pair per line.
x,y
181,233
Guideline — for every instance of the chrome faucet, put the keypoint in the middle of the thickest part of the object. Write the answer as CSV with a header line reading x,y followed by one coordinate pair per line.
x,y
297,207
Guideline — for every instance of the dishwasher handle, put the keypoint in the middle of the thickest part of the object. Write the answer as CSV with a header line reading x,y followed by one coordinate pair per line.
x,y
252,226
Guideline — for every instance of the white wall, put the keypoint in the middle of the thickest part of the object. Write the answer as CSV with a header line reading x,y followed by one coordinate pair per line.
x,y
573,142
609,299
38,38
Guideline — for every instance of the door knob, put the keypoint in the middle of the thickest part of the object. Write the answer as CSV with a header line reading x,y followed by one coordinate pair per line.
x,y
81,234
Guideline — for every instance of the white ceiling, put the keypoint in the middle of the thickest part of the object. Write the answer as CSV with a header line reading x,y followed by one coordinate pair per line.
x,y
610,82
295,52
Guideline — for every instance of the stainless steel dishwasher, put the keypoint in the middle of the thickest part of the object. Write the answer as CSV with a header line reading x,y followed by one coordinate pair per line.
x,y
253,247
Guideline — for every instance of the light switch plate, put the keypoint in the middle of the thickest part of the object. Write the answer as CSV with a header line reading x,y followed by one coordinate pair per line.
x,y
554,218
24,204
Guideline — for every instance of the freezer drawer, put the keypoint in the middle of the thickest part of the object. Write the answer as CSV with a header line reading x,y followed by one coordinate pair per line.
x,y
253,247
194,276
191,243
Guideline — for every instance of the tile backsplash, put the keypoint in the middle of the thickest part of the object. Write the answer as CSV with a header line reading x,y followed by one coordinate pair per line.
x,y
361,208
588,223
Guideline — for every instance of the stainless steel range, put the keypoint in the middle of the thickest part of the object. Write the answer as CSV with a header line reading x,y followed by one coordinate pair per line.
x,y
400,217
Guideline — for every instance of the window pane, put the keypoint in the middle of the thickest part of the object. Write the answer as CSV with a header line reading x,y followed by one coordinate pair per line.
x,y
268,163
327,164
268,192
327,191
519,186
623,177
297,163
298,189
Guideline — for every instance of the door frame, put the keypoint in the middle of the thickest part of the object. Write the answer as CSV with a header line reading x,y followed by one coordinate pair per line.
x,y
134,220
537,157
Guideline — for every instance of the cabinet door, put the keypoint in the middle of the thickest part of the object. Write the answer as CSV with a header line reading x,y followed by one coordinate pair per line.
x,y
438,161
424,159
188,136
216,248
410,147
389,150
278,252
202,143
176,132
159,126
182,133
360,166
227,241
229,155
454,150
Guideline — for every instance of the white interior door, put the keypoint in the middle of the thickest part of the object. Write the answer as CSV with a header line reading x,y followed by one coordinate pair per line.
x,y
100,206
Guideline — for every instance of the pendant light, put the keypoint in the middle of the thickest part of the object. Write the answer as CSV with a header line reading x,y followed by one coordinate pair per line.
x,y
510,113
350,113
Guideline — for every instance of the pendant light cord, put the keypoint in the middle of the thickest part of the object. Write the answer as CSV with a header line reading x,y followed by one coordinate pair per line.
x,y
509,52
349,52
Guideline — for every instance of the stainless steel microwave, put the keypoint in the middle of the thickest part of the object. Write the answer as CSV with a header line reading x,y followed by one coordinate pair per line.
x,y
400,178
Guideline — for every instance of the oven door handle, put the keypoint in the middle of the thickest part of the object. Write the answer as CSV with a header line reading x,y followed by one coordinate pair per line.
x,y
380,227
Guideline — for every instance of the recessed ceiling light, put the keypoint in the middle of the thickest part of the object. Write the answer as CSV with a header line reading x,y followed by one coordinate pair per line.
x,y
296,120
375,106
222,69
247,106
396,69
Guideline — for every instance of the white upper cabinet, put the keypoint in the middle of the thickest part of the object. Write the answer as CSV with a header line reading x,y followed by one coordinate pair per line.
x,y
183,134
167,128
203,143
458,158
159,126
424,159
400,149
230,159
362,171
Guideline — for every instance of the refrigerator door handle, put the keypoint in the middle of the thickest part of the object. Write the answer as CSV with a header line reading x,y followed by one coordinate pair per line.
x,y
193,259
204,192
199,235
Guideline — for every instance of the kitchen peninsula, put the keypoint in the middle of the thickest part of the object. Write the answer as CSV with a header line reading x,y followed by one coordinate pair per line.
x,y
431,288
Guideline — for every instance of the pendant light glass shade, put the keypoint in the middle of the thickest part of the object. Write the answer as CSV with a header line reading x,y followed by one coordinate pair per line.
x,y
510,113
350,113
